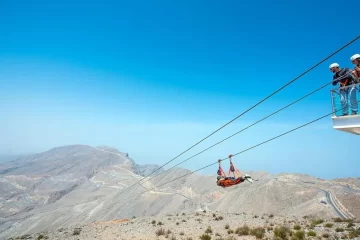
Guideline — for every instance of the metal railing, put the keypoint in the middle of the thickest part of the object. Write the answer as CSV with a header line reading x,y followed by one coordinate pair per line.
x,y
345,97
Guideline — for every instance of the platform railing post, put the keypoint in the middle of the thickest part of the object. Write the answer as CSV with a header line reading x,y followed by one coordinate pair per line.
x,y
332,102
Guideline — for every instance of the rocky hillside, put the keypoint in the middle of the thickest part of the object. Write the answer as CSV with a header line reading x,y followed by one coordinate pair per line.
x,y
206,225
77,185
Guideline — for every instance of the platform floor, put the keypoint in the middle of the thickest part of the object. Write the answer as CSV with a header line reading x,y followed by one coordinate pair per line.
x,y
350,124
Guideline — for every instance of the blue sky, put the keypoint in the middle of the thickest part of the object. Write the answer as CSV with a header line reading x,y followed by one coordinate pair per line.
x,y
153,77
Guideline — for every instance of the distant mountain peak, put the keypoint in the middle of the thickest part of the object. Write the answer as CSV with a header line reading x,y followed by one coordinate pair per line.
x,y
109,149
70,147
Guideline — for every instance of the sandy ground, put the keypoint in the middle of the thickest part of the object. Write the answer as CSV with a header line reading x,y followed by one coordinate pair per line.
x,y
193,226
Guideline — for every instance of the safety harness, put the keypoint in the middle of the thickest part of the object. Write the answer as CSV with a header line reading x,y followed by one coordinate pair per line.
x,y
232,168
220,171
227,181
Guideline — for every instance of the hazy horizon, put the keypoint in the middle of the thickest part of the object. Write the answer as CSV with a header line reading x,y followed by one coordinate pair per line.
x,y
210,171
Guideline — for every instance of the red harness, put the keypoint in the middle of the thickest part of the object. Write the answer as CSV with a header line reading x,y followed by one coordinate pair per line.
x,y
226,182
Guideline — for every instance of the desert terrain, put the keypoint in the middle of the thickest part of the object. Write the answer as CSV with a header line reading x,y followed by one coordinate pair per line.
x,y
85,187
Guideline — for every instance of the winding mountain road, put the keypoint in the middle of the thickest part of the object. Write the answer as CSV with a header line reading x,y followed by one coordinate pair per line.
x,y
332,203
330,200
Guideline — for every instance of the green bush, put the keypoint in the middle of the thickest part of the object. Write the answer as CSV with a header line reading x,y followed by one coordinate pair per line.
x,y
227,226
348,220
282,232
242,231
205,237
354,233
329,225
339,229
317,222
258,232
230,231
41,236
77,231
208,230
350,224
297,227
311,234
298,235
160,232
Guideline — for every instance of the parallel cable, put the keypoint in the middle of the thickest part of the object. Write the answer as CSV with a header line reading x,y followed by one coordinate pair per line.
x,y
290,82
243,151
281,109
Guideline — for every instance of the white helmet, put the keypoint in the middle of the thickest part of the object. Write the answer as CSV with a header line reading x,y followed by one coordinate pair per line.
x,y
334,65
353,57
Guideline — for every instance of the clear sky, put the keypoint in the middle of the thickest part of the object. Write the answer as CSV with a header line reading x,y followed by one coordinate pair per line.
x,y
154,77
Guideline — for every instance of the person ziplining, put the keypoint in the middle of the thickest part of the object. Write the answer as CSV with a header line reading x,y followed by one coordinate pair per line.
x,y
224,181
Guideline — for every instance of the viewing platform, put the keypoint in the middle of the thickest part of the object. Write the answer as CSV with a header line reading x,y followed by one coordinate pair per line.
x,y
347,123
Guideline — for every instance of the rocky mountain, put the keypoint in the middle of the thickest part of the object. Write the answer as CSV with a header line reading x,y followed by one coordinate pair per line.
x,y
74,185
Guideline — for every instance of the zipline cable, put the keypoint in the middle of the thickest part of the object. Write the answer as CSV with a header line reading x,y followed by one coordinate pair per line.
x,y
243,151
290,82
281,109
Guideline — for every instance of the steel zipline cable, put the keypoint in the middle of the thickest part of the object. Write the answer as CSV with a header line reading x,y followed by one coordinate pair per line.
x,y
241,152
281,109
263,100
